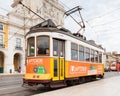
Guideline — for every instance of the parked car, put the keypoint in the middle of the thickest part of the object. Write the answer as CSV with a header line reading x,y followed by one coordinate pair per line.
x,y
107,69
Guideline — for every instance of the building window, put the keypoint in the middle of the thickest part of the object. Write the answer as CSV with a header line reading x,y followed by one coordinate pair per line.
x,y
1,39
1,27
74,51
18,42
81,53
31,46
55,47
87,54
61,48
43,45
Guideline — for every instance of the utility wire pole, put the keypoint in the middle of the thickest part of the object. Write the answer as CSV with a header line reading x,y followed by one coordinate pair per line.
x,y
71,11
30,10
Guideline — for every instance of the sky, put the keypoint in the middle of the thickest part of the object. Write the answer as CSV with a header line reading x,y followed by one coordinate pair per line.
x,y
5,6
101,18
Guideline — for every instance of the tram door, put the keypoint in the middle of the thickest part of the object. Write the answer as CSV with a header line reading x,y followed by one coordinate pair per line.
x,y
58,62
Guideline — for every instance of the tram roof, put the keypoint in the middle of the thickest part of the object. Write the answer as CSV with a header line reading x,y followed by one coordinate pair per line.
x,y
49,26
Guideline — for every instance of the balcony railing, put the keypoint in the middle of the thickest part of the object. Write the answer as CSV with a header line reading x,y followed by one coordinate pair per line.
x,y
2,46
18,48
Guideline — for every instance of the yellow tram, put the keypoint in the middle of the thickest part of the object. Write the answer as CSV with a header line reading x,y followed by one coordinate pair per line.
x,y
57,58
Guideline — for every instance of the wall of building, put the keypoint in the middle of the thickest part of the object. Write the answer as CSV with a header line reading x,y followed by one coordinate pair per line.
x,y
110,57
17,24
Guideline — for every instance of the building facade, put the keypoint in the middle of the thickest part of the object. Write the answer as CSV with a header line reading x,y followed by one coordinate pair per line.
x,y
16,24
3,42
112,57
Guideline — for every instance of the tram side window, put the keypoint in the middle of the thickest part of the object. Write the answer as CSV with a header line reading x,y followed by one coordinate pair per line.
x,y
81,53
96,56
74,51
61,44
100,57
55,47
43,45
92,55
87,54
31,46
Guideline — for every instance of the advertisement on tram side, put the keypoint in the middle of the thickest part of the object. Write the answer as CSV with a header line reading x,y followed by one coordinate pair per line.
x,y
81,69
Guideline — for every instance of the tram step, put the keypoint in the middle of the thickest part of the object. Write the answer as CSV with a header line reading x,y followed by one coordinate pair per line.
x,y
58,84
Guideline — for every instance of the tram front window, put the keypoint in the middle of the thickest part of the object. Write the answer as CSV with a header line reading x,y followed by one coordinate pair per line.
x,y
31,46
43,45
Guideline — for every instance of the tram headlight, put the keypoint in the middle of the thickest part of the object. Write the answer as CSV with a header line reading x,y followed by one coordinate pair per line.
x,y
35,70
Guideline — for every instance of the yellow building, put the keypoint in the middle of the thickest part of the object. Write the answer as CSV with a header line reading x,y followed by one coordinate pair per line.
x,y
3,41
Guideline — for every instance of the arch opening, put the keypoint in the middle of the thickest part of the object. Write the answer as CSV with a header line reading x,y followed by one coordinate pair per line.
x,y
17,63
1,62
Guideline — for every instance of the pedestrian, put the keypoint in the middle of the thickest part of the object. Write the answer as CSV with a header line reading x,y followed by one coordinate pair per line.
x,y
19,69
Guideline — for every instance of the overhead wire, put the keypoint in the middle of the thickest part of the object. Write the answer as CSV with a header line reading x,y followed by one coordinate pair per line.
x,y
105,30
15,33
31,10
86,21
93,31
98,17
4,9
75,14
79,23
27,21
107,13
64,4
104,34
106,23
18,29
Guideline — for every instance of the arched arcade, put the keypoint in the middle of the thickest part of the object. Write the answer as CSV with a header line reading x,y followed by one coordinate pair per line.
x,y
1,62
17,62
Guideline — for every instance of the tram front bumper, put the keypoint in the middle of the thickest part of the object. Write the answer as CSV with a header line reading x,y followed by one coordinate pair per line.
x,y
37,77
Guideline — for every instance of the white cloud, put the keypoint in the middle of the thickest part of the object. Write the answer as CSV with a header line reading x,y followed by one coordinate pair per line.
x,y
5,6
